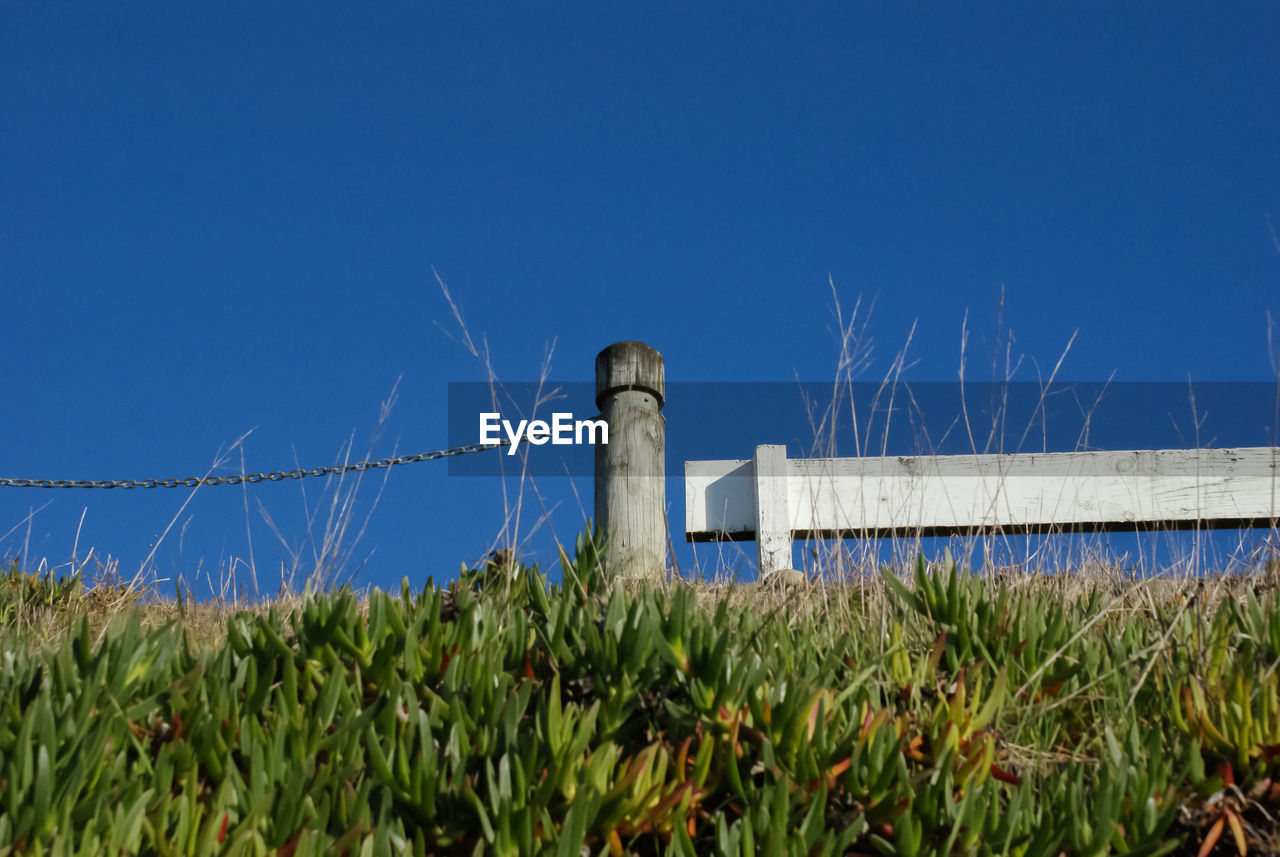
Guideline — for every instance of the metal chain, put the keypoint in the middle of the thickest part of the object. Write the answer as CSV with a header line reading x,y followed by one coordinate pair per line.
x,y
252,478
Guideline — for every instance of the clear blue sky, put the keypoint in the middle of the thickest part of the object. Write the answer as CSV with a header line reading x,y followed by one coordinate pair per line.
x,y
217,221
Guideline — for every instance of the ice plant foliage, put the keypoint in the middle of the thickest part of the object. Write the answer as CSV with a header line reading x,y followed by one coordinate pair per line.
x,y
940,715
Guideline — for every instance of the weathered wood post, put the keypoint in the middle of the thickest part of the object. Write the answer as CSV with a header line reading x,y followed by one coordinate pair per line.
x,y
631,468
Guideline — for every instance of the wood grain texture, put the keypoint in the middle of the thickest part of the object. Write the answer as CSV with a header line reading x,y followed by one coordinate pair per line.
x,y
630,470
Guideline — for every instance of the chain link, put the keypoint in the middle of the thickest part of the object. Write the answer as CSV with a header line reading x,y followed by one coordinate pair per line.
x,y
251,478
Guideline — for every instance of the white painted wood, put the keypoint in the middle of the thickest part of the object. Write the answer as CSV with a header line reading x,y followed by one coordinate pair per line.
x,y
939,495
720,500
773,510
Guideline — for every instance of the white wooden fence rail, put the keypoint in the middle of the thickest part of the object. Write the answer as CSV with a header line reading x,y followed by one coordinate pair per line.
x,y
772,499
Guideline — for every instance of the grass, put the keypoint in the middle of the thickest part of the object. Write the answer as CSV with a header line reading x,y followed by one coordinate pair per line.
x,y
924,712
42,608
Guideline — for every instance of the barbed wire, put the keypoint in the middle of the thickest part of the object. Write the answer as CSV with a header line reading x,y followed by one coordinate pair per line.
x,y
251,478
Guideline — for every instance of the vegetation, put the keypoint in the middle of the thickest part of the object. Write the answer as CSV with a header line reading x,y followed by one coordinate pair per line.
x,y
942,714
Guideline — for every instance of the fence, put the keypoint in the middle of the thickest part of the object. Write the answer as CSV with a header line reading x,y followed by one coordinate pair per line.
x,y
774,500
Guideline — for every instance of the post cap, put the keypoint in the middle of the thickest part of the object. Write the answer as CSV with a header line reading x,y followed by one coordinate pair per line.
x,y
629,366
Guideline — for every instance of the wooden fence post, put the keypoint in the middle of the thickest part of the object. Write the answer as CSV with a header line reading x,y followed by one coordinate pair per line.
x,y
773,511
630,486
